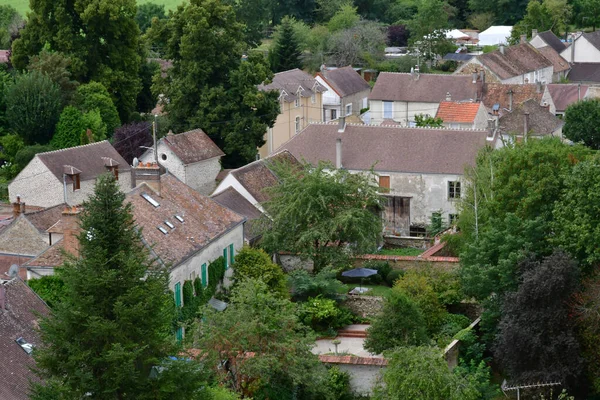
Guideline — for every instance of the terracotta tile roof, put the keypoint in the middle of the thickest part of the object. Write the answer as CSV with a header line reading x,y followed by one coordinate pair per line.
x,y
456,111
345,81
353,360
293,82
564,95
44,219
18,320
585,72
516,60
558,63
552,40
428,88
7,260
4,54
391,149
541,121
192,146
257,176
51,257
497,93
88,159
233,200
204,219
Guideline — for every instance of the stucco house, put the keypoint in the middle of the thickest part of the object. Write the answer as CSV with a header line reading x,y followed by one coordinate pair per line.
x,y
560,96
585,48
399,97
68,175
419,170
463,115
518,64
191,156
301,103
528,120
347,93
20,310
551,46
253,180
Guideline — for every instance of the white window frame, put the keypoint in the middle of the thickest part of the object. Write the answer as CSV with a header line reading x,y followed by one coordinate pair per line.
x,y
348,109
297,101
313,98
391,111
297,124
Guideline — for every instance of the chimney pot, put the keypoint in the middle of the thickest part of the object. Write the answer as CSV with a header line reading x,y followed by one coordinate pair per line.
x,y
448,96
342,124
71,229
338,153
523,39
526,126
502,48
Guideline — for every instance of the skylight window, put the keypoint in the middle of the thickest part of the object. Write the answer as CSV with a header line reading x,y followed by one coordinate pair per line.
x,y
163,230
169,224
27,347
179,218
150,200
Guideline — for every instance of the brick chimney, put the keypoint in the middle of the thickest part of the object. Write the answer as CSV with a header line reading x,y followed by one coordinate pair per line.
x,y
523,39
148,173
18,207
71,229
534,33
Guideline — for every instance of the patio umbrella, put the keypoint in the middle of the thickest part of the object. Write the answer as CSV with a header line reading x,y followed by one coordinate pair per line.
x,y
360,273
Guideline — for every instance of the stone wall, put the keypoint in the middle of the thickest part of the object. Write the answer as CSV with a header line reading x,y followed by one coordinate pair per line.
x,y
290,262
408,262
365,306
405,241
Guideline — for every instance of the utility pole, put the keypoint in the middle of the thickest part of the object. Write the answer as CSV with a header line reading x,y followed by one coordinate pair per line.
x,y
154,140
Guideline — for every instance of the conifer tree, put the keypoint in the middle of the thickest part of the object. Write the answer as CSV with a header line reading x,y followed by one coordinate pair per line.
x,y
114,324
285,54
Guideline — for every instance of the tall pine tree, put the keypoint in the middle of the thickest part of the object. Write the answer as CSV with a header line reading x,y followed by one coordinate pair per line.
x,y
114,324
285,54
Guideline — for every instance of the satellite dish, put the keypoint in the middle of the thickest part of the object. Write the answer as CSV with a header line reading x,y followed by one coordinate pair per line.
x,y
136,162
13,270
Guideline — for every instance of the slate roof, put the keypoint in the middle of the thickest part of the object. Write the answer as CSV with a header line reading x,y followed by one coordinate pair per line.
x,y
44,219
558,63
541,121
391,149
552,40
192,146
345,81
459,112
564,95
462,57
257,176
497,93
204,219
428,88
593,38
585,72
233,200
288,83
19,319
89,159
516,60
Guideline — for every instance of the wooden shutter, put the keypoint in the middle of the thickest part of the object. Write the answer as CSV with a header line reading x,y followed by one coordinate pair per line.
x,y
225,257
204,275
178,294
231,255
384,182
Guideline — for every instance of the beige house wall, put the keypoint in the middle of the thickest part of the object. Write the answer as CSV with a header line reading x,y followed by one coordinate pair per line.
x,y
285,125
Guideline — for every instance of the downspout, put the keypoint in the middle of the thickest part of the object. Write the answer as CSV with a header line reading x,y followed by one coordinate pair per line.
x,y
65,188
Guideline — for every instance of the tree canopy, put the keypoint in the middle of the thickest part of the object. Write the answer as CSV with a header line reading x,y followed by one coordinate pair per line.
x,y
580,123
285,54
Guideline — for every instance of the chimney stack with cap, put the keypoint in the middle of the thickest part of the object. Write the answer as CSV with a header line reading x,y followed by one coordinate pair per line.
x,y
71,229
510,99
148,173
342,124
523,39
526,125
18,207
338,153
533,33
502,48
448,96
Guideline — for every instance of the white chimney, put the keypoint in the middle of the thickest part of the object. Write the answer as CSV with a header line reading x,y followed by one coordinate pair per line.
x,y
338,153
533,33
448,96
502,48
342,124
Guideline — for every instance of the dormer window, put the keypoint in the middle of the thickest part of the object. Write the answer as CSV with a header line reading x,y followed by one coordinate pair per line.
x,y
74,175
111,166
297,102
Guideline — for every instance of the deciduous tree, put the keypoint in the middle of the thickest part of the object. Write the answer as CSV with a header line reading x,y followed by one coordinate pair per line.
x,y
130,139
94,96
56,66
256,264
580,123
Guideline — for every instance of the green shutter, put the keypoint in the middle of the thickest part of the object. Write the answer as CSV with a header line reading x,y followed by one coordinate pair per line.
x,y
179,334
203,272
178,294
225,257
231,255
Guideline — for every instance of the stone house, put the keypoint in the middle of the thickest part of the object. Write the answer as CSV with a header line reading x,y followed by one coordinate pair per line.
x,y
191,156
20,310
560,96
253,180
463,115
399,97
518,64
528,120
551,46
237,203
347,93
301,103
419,170
68,175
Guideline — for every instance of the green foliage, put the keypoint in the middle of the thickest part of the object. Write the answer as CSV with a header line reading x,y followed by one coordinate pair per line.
x,y
501,12
451,325
101,38
26,154
323,315
10,144
216,273
92,120
117,304
393,276
339,382
427,28
401,323
304,285
10,23
316,211
362,44
428,120
285,53
147,12
542,15
146,101
50,288
254,16
259,322
383,269
586,307
34,107
256,264
418,289
69,129
580,124
94,96
345,18
421,373
57,67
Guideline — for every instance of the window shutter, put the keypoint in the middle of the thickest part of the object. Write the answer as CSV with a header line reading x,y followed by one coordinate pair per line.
x,y
231,254
203,274
225,257
178,294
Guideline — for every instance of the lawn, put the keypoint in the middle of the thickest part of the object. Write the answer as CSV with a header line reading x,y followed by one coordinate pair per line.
x,y
404,251
374,290
22,6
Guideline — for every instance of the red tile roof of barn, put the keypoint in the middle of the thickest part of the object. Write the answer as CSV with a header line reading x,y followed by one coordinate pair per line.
x,y
455,111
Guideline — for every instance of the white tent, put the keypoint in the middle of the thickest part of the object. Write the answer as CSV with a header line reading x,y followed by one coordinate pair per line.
x,y
456,34
495,35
